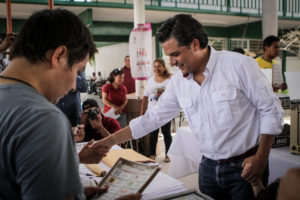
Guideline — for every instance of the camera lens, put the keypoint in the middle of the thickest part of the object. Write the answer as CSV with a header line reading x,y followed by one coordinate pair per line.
x,y
93,114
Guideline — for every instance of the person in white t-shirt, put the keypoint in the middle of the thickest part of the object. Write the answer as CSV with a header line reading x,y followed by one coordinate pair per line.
x,y
155,87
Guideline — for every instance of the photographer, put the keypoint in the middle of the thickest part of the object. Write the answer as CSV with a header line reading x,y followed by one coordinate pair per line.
x,y
97,126
5,43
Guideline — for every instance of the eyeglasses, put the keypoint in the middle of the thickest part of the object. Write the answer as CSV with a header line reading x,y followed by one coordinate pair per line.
x,y
118,71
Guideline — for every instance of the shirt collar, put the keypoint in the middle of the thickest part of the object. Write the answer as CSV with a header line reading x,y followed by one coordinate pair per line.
x,y
210,64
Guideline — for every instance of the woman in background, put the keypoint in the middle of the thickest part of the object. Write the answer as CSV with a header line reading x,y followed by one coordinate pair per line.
x,y
155,87
114,95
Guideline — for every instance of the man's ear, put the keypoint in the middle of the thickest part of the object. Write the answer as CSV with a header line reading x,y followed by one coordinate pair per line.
x,y
58,56
195,45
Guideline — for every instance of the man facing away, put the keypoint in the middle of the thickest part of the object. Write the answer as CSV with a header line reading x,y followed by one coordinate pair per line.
x,y
70,104
129,82
271,47
38,159
229,105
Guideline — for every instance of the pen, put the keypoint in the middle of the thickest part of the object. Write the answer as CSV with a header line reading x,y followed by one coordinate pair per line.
x,y
86,174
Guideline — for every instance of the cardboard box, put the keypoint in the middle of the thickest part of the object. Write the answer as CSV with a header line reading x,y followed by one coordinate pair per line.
x,y
133,108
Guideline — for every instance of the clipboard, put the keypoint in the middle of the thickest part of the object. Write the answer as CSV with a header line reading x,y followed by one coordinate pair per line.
x,y
127,177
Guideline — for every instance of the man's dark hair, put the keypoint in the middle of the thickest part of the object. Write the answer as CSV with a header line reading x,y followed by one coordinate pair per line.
x,y
48,29
239,50
268,41
185,29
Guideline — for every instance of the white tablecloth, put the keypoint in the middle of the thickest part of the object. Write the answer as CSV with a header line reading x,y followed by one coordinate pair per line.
x,y
185,157
184,154
280,161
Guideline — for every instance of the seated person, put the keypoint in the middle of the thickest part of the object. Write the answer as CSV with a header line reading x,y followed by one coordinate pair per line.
x,y
96,125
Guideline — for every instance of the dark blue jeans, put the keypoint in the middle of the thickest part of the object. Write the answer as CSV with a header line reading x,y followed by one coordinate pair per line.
x,y
223,180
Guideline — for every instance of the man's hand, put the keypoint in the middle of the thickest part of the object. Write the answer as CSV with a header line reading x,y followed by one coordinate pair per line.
x,y
78,133
283,86
96,124
104,142
8,40
118,110
253,168
159,92
90,191
92,154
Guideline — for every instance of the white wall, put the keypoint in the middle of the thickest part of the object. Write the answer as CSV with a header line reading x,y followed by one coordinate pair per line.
x,y
293,64
111,57
108,58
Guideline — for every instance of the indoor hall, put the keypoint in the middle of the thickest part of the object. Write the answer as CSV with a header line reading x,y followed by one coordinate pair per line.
x,y
230,25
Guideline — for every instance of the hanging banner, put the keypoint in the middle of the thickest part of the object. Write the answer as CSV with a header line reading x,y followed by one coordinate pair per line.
x,y
140,51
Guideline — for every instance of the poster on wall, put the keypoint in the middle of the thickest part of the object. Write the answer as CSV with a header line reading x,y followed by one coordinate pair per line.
x,y
140,51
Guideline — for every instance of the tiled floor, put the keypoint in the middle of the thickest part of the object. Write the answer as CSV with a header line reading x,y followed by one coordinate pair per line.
x,y
191,181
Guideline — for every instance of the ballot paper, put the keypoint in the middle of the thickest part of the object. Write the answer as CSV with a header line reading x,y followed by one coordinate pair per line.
x,y
268,74
111,113
277,78
160,186
127,177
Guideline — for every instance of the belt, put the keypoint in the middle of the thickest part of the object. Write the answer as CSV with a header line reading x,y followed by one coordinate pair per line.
x,y
248,153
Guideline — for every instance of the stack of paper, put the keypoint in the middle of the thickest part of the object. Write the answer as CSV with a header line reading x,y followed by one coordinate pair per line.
x,y
162,185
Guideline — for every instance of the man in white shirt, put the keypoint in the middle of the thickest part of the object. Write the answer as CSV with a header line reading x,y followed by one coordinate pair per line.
x,y
229,105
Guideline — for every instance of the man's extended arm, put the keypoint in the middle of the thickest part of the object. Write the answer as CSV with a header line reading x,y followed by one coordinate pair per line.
x,y
118,137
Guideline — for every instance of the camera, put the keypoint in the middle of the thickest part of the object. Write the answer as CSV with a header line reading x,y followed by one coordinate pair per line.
x,y
92,114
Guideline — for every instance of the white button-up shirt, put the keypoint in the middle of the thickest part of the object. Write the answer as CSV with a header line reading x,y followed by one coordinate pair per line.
x,y
226,113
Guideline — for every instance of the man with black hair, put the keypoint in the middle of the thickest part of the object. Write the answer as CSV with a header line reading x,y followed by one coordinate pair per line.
x,y
271,47
96,125
239,50
38,159
70,104
229,105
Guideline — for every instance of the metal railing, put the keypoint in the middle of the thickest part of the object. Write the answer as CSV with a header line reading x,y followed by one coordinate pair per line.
x,y
286,8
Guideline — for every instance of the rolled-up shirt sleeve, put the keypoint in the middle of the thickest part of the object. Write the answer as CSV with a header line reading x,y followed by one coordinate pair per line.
x,y
261,95
163,112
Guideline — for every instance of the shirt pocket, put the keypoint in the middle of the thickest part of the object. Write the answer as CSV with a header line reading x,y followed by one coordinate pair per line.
x,y
187,106
263,91
222,101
